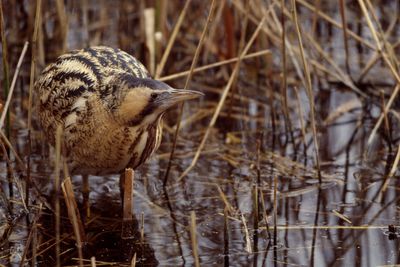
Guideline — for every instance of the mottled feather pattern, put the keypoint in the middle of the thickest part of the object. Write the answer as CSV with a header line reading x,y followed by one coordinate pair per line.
x,y
78,92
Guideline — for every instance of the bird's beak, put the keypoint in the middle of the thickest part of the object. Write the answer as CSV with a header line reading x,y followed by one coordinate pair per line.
x,y
174,96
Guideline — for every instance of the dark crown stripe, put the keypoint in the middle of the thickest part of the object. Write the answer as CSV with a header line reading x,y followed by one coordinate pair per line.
x,y
135,82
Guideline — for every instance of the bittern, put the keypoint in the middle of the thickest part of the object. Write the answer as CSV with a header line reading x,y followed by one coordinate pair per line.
x,y
108,106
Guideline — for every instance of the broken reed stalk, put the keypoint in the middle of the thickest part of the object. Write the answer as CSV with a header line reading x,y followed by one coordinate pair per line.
x,y
193,237
57,193
133,261
187,83
309,90
13,82
128,219
93,262
222,99
74,217
214,65
160,66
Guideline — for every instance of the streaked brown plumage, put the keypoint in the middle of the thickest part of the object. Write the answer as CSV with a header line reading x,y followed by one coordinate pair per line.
x,y
109,108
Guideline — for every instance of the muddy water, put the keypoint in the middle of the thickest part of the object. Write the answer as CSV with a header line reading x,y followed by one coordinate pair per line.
x,y
341,221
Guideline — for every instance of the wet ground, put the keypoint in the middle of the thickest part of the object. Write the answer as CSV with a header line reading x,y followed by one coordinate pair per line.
x,y
256,191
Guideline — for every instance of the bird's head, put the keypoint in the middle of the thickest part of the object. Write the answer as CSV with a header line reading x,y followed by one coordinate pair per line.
x,y
141,100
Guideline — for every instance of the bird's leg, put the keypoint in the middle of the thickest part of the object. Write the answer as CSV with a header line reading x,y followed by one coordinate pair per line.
x,y
126,187
85,194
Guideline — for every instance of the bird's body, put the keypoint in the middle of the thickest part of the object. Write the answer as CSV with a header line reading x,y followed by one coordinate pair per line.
x,y
109,108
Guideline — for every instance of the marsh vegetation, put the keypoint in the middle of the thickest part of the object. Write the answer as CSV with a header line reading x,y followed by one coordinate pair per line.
x,y
291,158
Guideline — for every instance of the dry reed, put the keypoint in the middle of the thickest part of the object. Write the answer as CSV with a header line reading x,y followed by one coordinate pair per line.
x,y
273,76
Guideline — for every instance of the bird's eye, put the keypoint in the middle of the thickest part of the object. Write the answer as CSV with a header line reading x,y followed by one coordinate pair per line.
x,y
153,96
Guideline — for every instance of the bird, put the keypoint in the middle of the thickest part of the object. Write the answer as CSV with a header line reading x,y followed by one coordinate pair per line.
x,y
109,108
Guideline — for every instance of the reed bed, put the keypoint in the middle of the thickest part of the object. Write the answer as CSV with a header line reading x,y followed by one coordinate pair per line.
x,y
291,158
